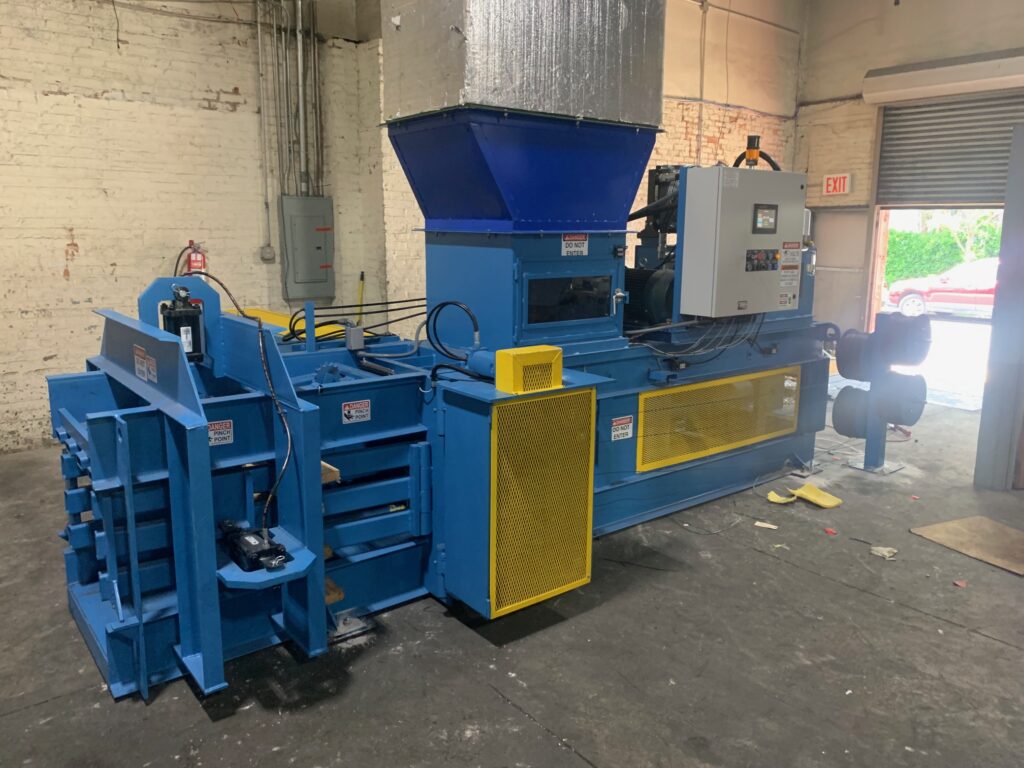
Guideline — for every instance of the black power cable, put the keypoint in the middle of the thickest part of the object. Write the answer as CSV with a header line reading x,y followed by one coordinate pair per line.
x,y
340,333
298,334
336,311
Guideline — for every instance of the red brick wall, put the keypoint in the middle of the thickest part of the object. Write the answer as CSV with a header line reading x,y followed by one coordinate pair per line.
x,y
724,136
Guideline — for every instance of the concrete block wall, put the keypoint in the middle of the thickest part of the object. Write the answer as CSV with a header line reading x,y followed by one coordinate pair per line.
x,y
114,157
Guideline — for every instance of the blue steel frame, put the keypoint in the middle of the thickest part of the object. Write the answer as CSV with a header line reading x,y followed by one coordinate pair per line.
x,y
150,584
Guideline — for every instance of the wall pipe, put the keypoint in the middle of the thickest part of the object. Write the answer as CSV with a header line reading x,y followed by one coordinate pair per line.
x,y
264,133
300,80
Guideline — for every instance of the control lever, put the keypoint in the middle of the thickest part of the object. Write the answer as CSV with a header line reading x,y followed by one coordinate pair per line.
x,y
619,297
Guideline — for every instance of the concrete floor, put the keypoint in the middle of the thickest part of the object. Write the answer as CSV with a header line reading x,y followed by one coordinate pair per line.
x,y
702,641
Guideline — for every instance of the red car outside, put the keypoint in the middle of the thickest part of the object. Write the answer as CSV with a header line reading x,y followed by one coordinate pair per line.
x,y
967,290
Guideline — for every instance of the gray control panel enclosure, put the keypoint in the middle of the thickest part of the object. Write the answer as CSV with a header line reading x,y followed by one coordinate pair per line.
x,y
307,247
740,231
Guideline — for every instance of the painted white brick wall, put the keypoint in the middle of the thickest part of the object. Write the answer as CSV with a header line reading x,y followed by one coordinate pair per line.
x,y
838,137
351,82
405,242
112,159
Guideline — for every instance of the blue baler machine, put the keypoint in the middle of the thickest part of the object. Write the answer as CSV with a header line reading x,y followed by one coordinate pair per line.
x,y
559,395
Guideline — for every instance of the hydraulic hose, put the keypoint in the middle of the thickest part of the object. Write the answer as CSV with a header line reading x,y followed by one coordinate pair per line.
x,y
767,158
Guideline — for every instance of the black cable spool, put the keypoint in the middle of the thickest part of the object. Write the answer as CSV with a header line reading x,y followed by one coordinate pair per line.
x,y
899,399
898,340
853,355
850,412
902,398
905,340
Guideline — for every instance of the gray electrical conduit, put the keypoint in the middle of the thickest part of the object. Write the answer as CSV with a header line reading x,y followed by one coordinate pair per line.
x,y
416,343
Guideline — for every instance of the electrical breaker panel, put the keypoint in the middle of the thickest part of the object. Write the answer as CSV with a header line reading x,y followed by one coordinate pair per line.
x,y
741,232
308,247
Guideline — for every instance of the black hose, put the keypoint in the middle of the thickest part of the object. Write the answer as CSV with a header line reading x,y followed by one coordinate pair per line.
x,y
661,204
177,261
295,333
458,369
395,320
431,327
767,158
326,312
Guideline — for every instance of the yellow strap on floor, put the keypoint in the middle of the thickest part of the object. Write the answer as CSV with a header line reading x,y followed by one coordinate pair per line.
x,y
776,498
815,495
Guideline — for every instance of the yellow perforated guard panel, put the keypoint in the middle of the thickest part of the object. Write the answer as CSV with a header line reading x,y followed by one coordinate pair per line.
x,y
521,370
542,493
695,420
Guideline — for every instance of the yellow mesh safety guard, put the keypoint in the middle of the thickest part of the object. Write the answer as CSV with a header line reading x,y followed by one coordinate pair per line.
x,y
696,420
542,494
521,370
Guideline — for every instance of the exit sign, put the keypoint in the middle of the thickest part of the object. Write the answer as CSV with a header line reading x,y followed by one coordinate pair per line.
x,y
836,184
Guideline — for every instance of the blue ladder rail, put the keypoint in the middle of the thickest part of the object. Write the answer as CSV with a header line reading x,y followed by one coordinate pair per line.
x,y
128,486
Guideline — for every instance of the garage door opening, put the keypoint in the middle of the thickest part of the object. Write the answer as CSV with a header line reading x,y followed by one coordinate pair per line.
x,y
943,263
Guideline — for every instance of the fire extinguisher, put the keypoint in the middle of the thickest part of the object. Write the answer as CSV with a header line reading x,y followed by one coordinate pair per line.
x,y
196,257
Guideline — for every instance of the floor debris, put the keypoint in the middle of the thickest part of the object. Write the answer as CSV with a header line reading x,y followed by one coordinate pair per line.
x,y
817,496
981,538
960,583
831,531
763,524
884,552
807,492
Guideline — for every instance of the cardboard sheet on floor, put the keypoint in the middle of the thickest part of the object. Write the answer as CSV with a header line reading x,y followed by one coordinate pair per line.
x,y
980,538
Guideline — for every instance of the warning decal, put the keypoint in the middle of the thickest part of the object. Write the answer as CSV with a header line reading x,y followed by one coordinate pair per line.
x,y
575,244
789,267
622,428
355,411
145,365
221,432
141,369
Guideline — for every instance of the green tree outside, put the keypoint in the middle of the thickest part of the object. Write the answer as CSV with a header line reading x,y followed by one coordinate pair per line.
x,y
931,252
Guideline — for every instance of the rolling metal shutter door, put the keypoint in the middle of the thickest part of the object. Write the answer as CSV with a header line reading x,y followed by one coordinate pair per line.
x,y
952,153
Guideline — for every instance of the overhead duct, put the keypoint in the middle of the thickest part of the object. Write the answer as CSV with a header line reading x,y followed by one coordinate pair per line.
x,y
591,59
528,116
